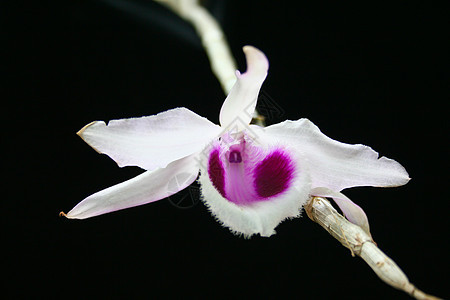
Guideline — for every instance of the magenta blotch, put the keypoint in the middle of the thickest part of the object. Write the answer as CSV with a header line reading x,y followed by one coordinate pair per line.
x,y
216,172
273,175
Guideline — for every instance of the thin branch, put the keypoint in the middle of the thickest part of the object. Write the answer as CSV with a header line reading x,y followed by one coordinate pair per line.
x,y
354,238
212,36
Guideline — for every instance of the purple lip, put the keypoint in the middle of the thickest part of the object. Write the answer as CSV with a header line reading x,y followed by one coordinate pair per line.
x,y
250,174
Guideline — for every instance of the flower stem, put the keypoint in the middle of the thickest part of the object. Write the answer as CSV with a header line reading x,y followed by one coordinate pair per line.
x,y
361,244
212,37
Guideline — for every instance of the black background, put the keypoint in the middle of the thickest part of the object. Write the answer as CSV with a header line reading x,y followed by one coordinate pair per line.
x,y
372,74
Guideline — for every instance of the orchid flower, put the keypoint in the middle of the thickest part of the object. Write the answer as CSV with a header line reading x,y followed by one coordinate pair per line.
x,y
252,178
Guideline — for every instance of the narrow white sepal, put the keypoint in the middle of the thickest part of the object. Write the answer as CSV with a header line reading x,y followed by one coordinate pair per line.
x,y
148,187
237,109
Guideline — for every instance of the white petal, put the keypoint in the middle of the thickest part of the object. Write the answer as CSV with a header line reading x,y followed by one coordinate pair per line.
x,y
148,187
259,217
333,164
151,142
238,108
351,211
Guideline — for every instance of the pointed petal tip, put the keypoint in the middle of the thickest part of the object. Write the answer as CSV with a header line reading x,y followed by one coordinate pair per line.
x,y
63,214
67,216
398,175
405,181
256,59
81,131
